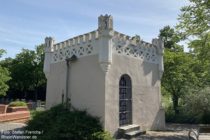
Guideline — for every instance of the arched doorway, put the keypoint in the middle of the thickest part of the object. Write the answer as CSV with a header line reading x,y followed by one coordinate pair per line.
x,y
125,100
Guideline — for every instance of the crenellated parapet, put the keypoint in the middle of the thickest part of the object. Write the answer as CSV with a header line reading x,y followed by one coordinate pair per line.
x,y
135,47
122,44
76,41
104,42
82,45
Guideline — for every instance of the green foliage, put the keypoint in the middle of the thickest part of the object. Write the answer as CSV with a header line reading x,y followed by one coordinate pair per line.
x,y
4,77
2,52
26,70
170,38
186,73
194,108
178,76
182,117
102,136
194,22
34,113
17,103
197,103
166,98
22,70
177,65
201,50
194,18
60,123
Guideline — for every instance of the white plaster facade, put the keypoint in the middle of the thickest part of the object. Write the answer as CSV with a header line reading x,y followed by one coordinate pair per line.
x,y
104,55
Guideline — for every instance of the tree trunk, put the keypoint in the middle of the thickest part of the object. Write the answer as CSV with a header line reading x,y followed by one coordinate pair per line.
x,y
25,95
36,94
175,99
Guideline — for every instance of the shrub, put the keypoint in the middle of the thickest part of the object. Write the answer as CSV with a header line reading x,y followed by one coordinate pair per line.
x,y
17,103
193,108
102,136
197,103
184,116
59,123
34,113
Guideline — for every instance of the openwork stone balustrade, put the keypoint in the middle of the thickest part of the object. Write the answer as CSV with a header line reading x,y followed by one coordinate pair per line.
x,y
87,44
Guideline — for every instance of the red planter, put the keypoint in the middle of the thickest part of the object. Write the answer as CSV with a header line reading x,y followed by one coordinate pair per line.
x,y
20,116
3,108
15,109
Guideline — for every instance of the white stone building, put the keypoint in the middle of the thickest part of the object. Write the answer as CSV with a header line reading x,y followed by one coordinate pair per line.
x,y
115,77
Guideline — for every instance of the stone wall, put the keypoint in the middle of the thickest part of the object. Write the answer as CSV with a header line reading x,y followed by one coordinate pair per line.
x,y
146,96
86,85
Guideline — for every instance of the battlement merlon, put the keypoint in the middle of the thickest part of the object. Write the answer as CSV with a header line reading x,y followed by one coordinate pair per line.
x,y
49,42
159,44
105,29
160,50
105,23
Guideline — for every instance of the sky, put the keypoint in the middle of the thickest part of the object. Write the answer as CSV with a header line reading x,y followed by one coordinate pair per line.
x,y
26,23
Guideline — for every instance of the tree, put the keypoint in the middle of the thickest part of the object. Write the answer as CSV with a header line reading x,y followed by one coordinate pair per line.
x,y
170,38
172,81
194,18
178,76
22,71
26,71
178,73
4,77
39,77
194,21
201,50
188,72
2,52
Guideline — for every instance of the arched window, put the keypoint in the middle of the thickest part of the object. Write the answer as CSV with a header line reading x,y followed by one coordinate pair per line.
x,y
125,100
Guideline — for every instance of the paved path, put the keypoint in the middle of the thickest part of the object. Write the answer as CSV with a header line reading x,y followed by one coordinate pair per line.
x,y
11,126
11,131
174,132
164,135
